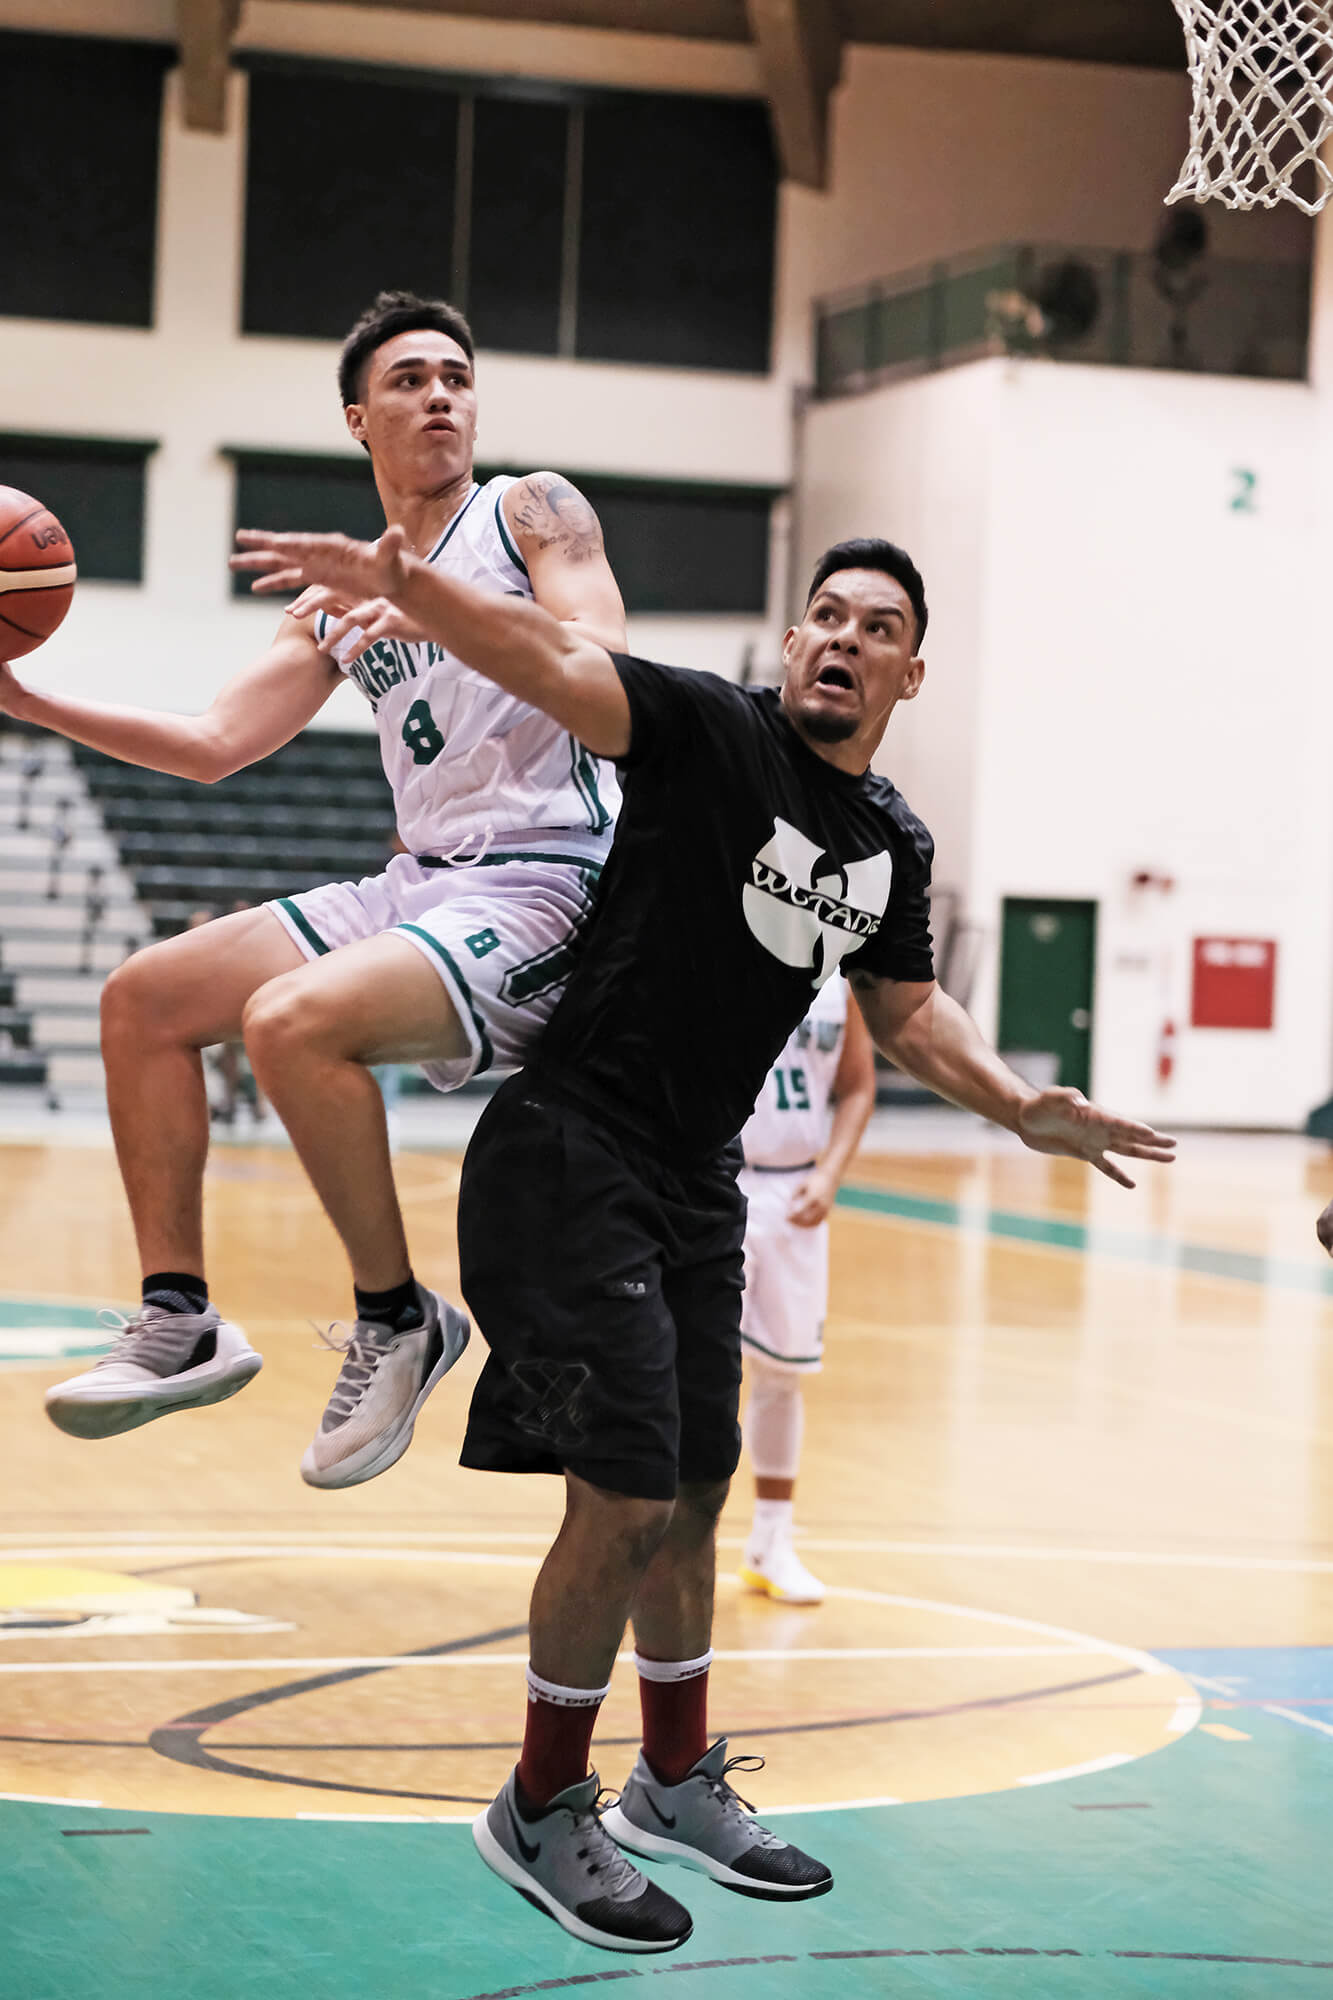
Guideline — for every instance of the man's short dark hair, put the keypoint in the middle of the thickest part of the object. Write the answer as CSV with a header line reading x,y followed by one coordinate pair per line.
x,y
391,313
871,553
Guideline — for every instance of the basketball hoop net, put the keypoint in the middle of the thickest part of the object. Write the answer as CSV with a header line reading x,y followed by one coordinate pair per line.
x,y
1262,75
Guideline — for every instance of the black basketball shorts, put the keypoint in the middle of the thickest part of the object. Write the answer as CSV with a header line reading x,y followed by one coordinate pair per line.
x,y
608,1287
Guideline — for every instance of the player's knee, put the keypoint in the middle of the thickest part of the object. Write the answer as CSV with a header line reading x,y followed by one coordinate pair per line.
x,y
771,1377
700,1503
134,1006
277,1019
633,1525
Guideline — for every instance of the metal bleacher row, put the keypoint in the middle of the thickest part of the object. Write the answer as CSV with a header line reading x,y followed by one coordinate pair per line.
x,y
318,810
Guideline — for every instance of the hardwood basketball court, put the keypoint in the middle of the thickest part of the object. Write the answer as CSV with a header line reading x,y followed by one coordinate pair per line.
x,y
1062,1727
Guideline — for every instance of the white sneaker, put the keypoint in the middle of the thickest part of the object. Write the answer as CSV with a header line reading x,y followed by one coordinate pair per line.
x,y
381,1386
161,1361
778,1572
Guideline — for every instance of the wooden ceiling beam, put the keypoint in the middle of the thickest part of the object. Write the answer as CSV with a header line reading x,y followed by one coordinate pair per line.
x,y
694,20
799,45
204,30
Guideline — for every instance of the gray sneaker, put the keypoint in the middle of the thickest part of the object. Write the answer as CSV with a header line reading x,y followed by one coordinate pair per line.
x,y
704,1825
162,1361
564,1864
383,1382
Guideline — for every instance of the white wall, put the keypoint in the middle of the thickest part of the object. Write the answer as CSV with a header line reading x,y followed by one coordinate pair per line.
x,y
1150,688
913,464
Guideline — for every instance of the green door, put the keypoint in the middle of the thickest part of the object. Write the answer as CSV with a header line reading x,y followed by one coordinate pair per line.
x,y
1047,955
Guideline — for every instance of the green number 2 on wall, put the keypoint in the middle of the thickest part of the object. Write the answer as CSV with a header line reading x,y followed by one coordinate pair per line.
x,y
1244,494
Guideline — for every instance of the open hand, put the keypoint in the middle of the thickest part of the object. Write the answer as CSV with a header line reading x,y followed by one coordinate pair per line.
x,y
1063,1121
356,571
346,618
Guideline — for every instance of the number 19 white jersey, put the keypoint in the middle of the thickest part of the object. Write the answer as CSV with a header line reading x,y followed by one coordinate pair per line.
x,y
468,763
791,1122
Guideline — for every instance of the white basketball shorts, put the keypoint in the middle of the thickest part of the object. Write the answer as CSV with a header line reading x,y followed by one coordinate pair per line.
x,y
501,933
786,1277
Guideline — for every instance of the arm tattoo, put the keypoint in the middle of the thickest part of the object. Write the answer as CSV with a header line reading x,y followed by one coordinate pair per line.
x,y
551,514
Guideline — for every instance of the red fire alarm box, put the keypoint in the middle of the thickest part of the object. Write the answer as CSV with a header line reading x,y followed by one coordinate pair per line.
x,y
1234,980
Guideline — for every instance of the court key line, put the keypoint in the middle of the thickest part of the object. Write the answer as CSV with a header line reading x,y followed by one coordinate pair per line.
x,y
986,1951
336,1662
380,1545
1091,1239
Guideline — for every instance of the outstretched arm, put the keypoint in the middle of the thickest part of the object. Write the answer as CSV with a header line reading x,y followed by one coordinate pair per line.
x,y
517,644
853,1102
255,714
934,1040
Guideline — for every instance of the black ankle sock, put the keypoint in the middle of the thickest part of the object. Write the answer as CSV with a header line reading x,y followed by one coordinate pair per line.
x,y
399,1309
175,1292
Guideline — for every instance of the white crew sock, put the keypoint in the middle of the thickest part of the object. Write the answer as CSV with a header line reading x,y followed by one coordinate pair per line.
x,y
667,1672
772,1524
564,1697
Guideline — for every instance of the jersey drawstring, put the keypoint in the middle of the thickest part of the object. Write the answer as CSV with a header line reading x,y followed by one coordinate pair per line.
x,y
451,859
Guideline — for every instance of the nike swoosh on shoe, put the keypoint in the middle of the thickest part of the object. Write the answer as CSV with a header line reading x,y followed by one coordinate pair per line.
x,y
528,1852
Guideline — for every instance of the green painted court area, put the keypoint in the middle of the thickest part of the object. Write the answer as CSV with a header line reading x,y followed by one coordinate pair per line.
x,y
1200,1870
1283,1274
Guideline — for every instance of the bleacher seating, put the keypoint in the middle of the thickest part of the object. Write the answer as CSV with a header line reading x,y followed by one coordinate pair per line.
x,y
316,811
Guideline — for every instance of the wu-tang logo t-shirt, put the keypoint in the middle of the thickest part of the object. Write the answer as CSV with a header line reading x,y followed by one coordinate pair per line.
x,y
807,910
746,869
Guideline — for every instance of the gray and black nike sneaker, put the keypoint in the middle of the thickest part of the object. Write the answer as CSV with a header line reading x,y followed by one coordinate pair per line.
x,y
565,1864
703,1824
162,1361
383,1382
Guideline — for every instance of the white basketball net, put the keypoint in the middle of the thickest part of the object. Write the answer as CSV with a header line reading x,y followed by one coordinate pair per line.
x,y
1262,72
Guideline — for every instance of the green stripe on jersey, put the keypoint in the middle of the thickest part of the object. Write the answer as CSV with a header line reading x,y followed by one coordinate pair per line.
x,y
512,553
446,959
307,930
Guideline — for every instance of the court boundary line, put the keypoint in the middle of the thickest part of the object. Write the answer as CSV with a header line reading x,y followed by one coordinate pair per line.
x,y
1022,1230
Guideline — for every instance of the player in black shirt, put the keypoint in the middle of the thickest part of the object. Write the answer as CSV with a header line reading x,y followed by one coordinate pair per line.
x,y
600,1227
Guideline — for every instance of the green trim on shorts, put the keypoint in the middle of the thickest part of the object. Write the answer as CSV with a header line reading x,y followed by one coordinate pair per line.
x,y
307,930
487,1052
788,1360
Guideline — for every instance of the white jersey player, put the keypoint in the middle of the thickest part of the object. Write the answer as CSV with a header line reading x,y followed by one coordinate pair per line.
x,y
452,957
805,1127
505,819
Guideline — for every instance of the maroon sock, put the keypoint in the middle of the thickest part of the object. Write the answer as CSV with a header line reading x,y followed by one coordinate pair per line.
x,y
556,1742
675,1717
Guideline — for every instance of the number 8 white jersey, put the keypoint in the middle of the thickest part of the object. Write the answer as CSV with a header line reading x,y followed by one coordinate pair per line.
x,y
467,762
791,1122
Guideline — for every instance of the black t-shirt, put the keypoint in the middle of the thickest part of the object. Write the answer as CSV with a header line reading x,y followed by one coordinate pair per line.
x,y
745,871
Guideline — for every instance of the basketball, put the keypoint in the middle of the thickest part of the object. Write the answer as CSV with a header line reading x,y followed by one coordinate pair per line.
x,y
37,573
